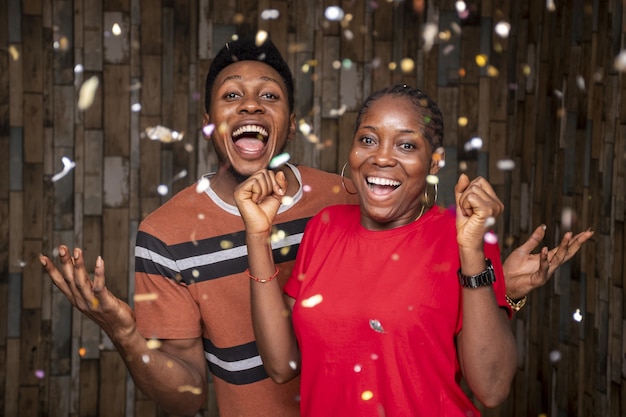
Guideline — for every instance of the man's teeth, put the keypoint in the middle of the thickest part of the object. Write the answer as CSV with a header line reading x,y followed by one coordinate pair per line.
x,y
383,181
250,129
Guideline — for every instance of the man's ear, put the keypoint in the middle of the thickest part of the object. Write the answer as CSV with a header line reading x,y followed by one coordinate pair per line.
x,y
206,120
436,160
292,127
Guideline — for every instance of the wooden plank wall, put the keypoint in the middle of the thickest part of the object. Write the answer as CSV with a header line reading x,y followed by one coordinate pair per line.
x,y
549,99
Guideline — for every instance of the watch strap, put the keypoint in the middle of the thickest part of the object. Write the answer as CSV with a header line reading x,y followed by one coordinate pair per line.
x,y
486,277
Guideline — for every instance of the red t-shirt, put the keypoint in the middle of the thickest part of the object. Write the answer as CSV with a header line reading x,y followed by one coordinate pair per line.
x,y
380,314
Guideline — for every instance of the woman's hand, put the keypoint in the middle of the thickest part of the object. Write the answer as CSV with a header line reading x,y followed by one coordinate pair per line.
x,y
477,205
258,199
525,271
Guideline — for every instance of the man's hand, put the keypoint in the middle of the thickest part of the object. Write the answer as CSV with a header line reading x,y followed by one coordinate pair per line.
x,y
92,298
524,271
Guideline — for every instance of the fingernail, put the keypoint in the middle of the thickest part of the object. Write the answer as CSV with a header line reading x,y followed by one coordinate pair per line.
x,y
98,261
544,227
76,253
62,251
42,260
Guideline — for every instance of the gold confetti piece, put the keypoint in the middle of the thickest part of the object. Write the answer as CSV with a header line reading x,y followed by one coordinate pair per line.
x,y
367,395
82,351
190,388
284,251
226,244
312,301
153,344
88,93
261,37
526,70
407,65
393,66
462,121
15,53
151,296
481,60
492,71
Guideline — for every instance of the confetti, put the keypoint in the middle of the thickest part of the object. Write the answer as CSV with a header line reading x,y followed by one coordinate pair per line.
x,y
163,189
163,134
293,365
367,395
116,30
151,296
462,121
40,374
153,344
279,160
82,352
68,165
376,326
358,368
145,358
577,315
505,165
334,13
312,301
88,93
202,185
432,179
555,356
503,29
15,53
481,60
270,14
491,237
620,62
261,37
407,65
429,35
190,388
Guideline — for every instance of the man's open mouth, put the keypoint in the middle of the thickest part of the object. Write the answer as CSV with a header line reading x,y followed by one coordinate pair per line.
x,y
250,138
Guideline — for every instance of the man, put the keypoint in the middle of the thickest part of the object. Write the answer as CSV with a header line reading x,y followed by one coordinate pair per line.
x,y
192,302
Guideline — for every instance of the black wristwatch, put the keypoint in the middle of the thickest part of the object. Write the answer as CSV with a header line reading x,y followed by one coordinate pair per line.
x,y
487,277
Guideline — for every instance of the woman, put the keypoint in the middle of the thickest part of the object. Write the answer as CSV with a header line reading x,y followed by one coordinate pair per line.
x,y
392,302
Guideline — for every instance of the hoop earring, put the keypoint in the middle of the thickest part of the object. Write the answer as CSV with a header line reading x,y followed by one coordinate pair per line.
x,y
343,183
436,194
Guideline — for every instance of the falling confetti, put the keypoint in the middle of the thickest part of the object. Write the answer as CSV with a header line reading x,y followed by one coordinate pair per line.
x,y
190,388
116,29
505,165
376,326
555,356
163,134
620,61
270,14
491,237
429,35
503,29
261,37
279,160
334,13
577,315
367,395
88,93
202,185
153,344
82,352
68,165
312,301
15,53
151,296
407,65
40,374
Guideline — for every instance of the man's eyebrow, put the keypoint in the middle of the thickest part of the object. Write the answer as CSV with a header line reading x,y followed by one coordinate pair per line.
x,y
238,77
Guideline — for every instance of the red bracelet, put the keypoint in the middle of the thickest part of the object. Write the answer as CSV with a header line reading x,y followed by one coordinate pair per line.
x,y
262,280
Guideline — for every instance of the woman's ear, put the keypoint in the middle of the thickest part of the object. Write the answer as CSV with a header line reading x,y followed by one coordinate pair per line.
x,y
436,160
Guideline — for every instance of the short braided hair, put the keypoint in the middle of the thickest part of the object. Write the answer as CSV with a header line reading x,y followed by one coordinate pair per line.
x,y
432,117
248,50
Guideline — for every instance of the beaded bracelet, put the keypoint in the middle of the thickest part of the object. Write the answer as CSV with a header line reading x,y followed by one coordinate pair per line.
x,y
262,280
